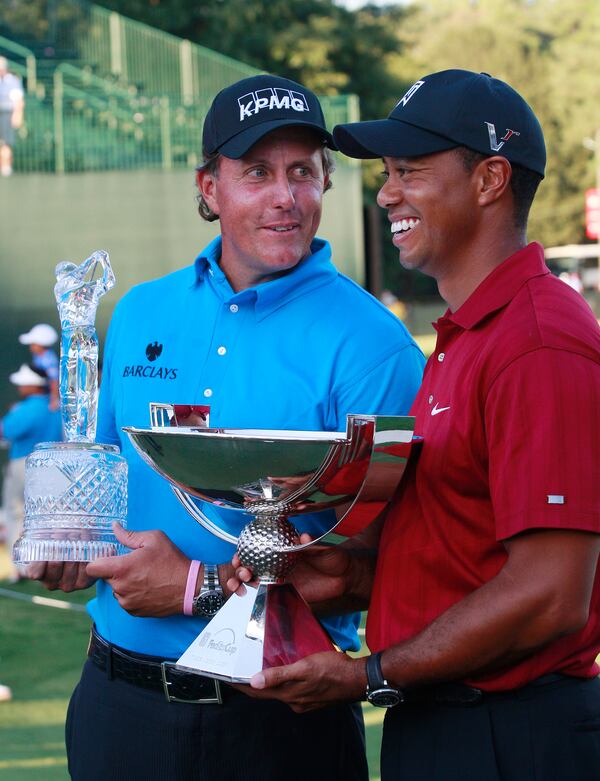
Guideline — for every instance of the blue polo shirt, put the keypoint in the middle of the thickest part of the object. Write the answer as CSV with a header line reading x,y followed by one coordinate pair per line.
x,y
30,421
48,361
298,352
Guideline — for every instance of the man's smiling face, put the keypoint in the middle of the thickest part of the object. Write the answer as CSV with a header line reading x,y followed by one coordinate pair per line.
x,y
269,204
431,203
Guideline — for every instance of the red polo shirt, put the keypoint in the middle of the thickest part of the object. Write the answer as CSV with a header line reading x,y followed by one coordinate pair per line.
x,y
510,414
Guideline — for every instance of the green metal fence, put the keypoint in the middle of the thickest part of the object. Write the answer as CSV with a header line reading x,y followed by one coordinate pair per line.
x,y
154,61
129,97
23,60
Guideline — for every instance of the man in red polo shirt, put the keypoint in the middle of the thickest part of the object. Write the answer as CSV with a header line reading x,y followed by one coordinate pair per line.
x,y
484,620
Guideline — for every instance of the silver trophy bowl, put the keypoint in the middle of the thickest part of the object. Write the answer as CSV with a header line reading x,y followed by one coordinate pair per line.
x,y
268,476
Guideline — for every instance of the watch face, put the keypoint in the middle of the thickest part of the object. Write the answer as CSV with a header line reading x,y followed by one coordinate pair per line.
x,y
210,603
386,697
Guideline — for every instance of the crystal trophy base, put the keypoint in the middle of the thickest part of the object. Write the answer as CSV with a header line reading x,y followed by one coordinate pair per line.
x,y
73,493
267,626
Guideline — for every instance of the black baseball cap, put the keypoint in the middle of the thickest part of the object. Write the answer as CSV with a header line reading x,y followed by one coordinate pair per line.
x,y
240,115
448,109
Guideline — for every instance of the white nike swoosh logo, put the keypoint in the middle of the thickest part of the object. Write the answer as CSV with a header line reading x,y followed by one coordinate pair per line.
x,y
436,410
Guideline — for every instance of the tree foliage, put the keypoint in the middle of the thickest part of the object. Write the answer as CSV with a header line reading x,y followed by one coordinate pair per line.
x,y
327,47
547,49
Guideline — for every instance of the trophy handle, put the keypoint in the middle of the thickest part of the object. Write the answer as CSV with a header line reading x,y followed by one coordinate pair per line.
x,y
202,519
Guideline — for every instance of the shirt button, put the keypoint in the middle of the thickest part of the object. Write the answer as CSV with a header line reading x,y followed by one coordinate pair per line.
x,y
208,392
441,357
233,308
222,350
430,399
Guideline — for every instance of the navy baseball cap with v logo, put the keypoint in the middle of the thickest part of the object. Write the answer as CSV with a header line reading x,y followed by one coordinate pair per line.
x,y
240,115
449,109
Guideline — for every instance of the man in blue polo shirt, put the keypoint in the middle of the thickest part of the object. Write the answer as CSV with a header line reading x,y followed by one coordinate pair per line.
x,y
264,329
28,422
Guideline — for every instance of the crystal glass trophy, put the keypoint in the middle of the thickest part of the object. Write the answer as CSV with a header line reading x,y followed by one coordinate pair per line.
x,y
75,489
266,476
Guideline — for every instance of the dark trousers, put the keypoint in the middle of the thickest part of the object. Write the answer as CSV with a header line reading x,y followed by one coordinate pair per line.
x,y
544,732
116,730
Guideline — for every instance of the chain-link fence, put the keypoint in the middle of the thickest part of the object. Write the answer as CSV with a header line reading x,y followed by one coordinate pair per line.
x,y
118,94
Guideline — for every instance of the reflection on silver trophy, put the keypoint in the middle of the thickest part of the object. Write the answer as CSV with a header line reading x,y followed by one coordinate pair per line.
x,y
74,490
267,476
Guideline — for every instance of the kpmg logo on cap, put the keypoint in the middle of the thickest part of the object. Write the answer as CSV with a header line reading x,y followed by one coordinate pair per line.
x,y
409,93
496,145
270,99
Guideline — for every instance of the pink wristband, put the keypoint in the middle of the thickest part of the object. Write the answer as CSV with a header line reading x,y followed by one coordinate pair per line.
x,y
190,587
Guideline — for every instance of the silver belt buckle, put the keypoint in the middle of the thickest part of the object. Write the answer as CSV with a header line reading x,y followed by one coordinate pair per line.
x,y
217,700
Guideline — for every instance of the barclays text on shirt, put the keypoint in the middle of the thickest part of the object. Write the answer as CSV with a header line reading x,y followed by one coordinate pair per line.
x,y
150,372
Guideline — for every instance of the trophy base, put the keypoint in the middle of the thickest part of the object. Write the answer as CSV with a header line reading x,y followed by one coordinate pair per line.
x,y
64,545
266,627
73,493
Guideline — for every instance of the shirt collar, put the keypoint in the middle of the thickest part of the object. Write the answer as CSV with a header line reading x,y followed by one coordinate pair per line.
x,y
314,271
500,286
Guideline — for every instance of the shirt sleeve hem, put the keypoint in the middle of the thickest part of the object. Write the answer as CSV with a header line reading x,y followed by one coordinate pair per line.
x,y
581,520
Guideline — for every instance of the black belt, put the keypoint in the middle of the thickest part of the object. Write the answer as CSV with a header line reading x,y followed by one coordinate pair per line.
x,y
150,672
461,694
445,694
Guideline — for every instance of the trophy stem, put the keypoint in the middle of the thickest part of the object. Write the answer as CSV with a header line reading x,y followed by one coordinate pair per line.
x,y
265,543
256,626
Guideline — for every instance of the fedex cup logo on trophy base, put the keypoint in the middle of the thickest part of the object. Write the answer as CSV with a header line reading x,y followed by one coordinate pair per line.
x,y
272,480
74,490
223,642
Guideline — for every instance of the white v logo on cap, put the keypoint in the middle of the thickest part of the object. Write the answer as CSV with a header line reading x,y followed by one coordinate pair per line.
x,y
410,92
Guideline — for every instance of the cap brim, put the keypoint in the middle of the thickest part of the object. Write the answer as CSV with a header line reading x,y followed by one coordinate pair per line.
x,y
237,146
388,138
25,339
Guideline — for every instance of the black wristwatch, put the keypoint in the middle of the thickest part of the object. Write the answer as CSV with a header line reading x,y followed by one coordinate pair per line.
x,y
210,598
379,691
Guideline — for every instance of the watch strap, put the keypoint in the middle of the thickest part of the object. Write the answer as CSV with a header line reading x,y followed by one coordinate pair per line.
x,y
211,578
375,679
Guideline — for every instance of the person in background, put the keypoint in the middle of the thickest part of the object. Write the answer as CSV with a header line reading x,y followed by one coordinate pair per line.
x,y
12,104
28,422
40,339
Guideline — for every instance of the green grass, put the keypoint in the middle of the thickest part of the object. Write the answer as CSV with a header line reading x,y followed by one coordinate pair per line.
x,y
41,653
